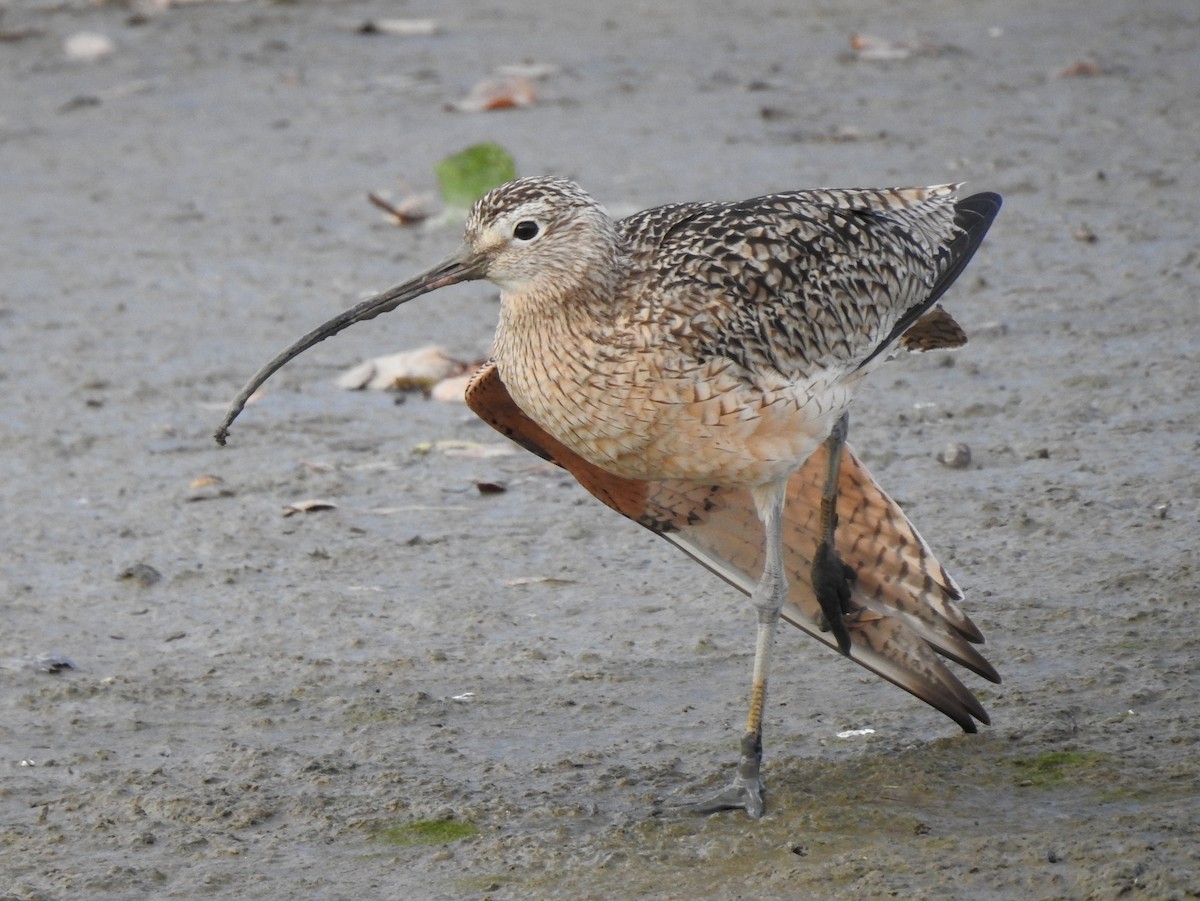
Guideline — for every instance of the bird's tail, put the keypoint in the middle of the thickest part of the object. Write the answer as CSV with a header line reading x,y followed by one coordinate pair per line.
x,y
904,604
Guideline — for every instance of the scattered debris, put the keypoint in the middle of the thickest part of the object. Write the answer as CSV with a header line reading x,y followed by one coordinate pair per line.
x,y
838,134
537,580
409,370
453,390
88,46
400,27
855,733
955,455
207,488
143,574
1082,69
19,35
877,49
528,69
49,662
409,211
496,92
471,450
310,506
79,101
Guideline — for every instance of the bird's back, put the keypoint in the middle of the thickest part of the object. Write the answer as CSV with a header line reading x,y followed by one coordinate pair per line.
x,y
729,337
799,282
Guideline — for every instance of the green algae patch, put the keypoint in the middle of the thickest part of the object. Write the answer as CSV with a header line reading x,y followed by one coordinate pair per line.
x,y
426,832
1056,768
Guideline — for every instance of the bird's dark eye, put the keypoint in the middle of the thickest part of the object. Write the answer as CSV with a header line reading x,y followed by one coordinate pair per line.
x,y
526,230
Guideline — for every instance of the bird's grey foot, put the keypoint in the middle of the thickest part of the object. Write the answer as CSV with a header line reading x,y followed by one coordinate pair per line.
x,y
745,793
831,579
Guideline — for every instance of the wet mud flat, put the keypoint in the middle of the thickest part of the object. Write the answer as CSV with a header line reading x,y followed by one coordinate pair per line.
x,y
431,691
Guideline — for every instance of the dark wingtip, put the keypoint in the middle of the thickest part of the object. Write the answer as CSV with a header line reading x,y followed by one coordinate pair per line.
x,y
974,214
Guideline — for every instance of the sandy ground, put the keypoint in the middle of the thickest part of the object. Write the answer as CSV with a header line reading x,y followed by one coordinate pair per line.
x,y
286,707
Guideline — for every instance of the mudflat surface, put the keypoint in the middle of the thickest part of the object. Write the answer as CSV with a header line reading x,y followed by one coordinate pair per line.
x,y
264,706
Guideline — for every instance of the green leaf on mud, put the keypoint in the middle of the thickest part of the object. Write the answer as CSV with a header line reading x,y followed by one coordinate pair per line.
x,y
467,176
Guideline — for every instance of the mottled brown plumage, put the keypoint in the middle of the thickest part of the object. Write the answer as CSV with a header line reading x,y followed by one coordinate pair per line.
x,y
692,365
704,341
904,604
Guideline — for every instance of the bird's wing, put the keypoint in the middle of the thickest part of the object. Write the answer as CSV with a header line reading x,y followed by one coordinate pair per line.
x,y
801,281
905,604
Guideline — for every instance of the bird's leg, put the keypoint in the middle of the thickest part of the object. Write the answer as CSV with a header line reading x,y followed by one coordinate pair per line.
x,y
746,792
831,577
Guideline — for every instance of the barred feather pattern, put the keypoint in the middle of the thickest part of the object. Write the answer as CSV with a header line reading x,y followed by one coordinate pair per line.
x,y
905,614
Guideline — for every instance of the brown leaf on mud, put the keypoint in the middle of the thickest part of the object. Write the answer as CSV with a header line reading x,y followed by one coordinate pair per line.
x,y
497,92
408,211
452,390
207,487
409,370
1083,68
310,506
877,49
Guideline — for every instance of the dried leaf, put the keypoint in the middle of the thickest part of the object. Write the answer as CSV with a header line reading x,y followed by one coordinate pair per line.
x,y
409,211
206,488
537,580
1082,68
310,506
873,48
409,370
491,487
466,449
452,390
530,69
399,27
497,92
50,662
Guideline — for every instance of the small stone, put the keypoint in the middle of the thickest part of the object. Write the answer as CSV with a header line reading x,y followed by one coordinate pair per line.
x,y
87,46
955,455
142,574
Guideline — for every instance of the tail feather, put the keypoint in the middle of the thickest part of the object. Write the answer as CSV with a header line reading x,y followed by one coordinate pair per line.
x,y
904,602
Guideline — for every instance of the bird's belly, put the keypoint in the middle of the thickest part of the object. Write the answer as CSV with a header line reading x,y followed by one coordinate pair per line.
x,y
706,425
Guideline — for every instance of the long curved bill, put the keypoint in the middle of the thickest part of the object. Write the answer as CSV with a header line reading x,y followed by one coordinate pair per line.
x,y
461,267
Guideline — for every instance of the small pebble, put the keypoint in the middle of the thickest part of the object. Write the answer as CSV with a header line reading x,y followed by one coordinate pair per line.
x,y
87,46
955,456
142,574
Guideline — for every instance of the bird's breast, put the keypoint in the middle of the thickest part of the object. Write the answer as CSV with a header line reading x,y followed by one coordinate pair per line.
x,y
647,409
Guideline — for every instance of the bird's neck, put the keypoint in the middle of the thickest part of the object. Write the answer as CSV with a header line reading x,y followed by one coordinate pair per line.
x,y
562,307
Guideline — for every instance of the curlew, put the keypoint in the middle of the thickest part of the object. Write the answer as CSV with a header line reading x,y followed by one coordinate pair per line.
x,y
692,365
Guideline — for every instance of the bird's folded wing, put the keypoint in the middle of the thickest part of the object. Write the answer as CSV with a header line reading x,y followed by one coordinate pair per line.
x,y
905,603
